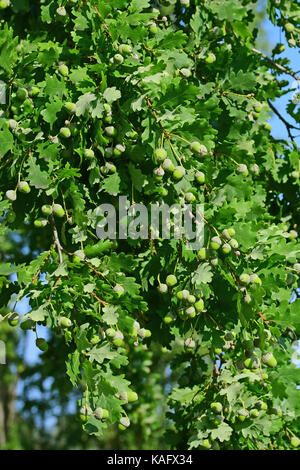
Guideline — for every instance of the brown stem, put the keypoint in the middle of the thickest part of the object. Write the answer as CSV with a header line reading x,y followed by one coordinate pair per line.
x,y
56,239
99,300
278,66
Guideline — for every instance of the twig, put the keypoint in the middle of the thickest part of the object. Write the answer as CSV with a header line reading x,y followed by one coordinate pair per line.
x,y
104,24
38,273
278,66
287,124
99,300
56,240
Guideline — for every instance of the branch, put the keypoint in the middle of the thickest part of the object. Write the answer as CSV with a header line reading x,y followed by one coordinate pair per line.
x,y
99,300
104,24
56,239
286,123
278,66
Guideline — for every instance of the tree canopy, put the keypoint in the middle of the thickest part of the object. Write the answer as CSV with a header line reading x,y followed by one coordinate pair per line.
x,y
156,344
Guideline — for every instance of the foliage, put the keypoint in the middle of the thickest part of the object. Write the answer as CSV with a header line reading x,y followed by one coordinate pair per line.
x,y
93,90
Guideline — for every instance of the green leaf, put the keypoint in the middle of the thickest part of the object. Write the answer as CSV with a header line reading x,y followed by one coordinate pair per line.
x,y
99,354
110,315
202,275
37,178
111,94
6,142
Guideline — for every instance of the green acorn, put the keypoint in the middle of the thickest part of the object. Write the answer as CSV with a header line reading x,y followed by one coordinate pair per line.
x,y
46,209
168,165
64,322
229,336
70,107
101,413
191,299
128,397
118,150
296,267
89,153
185,72
63,70
160,154
289,27
119,343
118,59
178,172
65,132
13,319
254,413
58,210
215,243
251,363
179,295
152,27
162,288
189,343
200,177
107,108
171,280
110,131
216,407
254,279
95,339
245,278
190,312
83,418
189,197
267,126
144,333
125,49
226,248
231,232
12,124
202,253
110,333
205,444
233,243
168,319
22,94
11,195
210,58
295,441
42,344
199,305
39,223
198,149
269,360
254,169
242,414
124,423
242,169
119,289
275,411
262,405
24,187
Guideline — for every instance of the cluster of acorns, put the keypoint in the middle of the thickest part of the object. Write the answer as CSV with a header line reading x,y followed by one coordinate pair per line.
x,y
225,242
178,172
47,210
102,413
218,413
194,304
